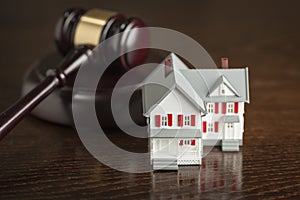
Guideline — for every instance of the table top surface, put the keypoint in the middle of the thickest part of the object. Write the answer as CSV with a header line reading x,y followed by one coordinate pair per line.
x,y
44,160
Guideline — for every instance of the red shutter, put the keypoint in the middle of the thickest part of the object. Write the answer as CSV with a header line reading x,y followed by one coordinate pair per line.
x,y
193,142
223,108
236,107
180,120
216,127
170,117
204,127
216,108
193,120
157,120
181,142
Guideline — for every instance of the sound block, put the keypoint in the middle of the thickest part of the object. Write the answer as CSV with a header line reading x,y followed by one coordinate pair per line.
x,y
57,108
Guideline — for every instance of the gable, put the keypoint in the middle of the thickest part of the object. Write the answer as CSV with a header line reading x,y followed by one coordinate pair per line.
x,y
174,102
221,90
222,87
161,81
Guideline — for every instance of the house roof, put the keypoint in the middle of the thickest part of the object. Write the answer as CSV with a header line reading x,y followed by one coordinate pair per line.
x,y
195,84
157,86
205,81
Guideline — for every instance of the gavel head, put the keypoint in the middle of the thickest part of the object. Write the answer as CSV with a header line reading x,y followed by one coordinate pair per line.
x,y
90,27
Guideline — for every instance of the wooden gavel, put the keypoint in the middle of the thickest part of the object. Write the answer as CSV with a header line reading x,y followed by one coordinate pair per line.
x,y
77,32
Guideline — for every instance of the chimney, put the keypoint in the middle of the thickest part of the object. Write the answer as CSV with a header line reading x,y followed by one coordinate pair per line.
x,y
224,63
168,67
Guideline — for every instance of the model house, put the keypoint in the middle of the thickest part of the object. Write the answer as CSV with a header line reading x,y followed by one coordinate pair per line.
x,y
187,108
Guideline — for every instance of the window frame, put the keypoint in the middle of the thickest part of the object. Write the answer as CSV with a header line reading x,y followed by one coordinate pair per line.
x,y
210,127
210,107
187,120
164,121
230,108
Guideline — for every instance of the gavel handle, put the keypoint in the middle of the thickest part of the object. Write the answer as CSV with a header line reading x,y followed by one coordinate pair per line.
x,y
55,78
12,116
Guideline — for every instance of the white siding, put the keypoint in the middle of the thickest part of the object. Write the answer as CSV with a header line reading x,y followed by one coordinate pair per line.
x,y
222,90
175,103
212,118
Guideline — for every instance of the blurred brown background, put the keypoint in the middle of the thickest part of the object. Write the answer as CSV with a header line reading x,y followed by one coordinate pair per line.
x,y
39,159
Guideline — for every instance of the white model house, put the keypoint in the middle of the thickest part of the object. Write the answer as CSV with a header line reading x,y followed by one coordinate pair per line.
x,y
188,107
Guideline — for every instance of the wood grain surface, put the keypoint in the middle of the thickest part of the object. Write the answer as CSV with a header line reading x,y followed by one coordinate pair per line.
x,y
40,160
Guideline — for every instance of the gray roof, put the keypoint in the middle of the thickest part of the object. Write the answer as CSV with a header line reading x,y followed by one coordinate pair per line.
x,y
204,81
157,86
195,84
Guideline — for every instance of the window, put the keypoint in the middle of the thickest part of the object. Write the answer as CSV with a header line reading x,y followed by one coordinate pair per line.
x,y
210,127
187,120
187,142
230,108
164,121
222,90
210,107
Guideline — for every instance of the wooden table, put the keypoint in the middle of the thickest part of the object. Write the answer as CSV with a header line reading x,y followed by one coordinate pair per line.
x,y
44,160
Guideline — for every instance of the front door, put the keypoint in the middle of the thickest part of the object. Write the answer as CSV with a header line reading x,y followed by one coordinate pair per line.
x,y
229,131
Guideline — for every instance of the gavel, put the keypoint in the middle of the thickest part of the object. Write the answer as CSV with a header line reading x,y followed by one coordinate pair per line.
x,y
77,32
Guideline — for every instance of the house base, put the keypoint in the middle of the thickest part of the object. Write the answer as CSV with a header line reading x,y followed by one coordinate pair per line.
x,y
218,142
164,164
230,145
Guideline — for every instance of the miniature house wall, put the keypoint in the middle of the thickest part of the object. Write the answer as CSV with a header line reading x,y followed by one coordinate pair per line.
x,y
175,134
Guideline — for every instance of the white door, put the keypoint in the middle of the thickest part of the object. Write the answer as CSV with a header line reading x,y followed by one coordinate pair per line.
x,y
229,131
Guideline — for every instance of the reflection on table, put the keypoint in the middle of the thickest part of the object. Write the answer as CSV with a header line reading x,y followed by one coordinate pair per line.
x,y
219,172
